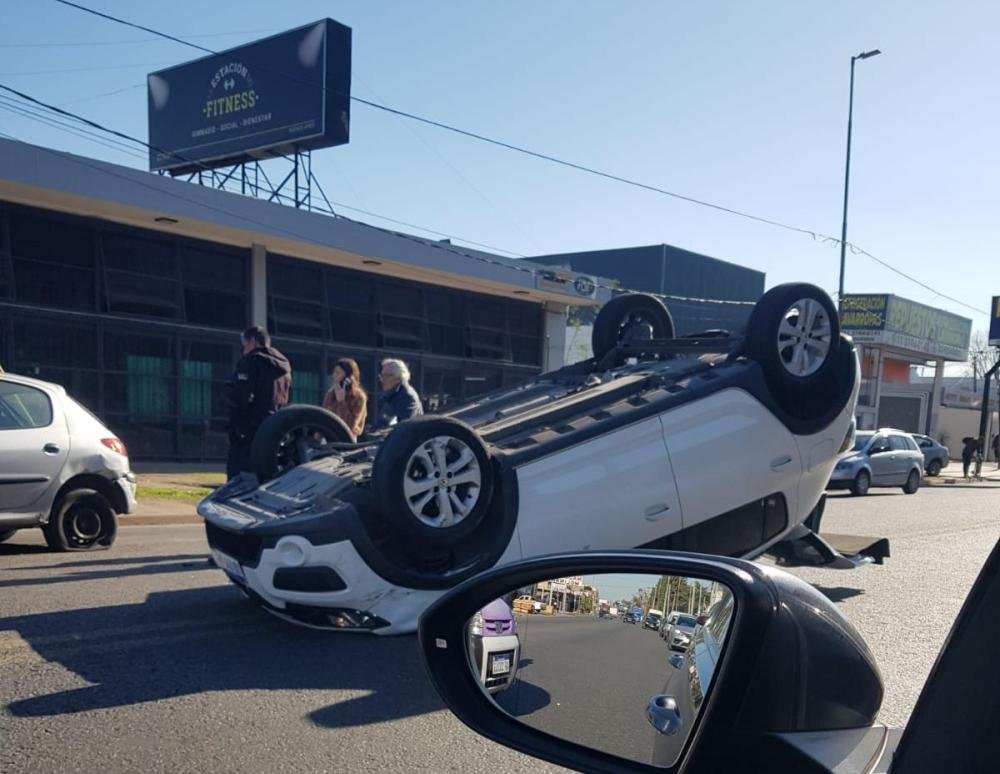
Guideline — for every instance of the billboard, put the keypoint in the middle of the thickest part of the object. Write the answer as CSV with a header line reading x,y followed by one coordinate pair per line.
x,y
268,98
995,322
888,320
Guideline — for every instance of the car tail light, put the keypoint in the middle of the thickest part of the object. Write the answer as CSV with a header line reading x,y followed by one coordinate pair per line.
x,y
116,445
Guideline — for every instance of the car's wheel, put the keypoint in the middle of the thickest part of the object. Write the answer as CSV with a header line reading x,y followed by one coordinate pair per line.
x,y
912,482
631,316
82,520
934,469
862,482
7,534
434,479
292,436
794,334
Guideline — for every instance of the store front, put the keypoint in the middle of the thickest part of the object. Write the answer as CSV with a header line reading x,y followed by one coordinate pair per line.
x,y
893,335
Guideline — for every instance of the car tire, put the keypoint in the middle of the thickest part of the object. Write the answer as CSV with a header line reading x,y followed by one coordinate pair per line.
x,y
861,484
81,520
415,463
620,313
286,438
934,469
7,534
912,482
797,356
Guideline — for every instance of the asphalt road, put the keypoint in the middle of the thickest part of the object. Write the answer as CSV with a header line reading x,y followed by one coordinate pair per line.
x,y
143,658
589,680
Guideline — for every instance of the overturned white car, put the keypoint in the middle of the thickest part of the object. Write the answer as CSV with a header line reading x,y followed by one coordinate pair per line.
x,y
710,443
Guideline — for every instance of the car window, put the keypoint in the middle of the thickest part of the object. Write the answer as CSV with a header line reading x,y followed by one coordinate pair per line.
x,y
898,443
23,407
860,440
687,620
923,441
911,444
880,444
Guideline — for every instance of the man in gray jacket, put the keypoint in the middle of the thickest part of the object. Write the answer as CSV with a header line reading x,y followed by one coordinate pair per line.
x,y
398,401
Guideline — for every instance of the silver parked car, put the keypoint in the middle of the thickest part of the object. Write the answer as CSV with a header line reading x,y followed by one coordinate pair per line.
x,y
935,455
884,458
60,468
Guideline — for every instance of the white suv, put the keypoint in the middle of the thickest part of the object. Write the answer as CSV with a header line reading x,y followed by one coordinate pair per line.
x,y
60,468
709,443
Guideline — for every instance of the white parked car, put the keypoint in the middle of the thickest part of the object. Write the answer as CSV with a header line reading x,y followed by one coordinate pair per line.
x,y
709,443
60,468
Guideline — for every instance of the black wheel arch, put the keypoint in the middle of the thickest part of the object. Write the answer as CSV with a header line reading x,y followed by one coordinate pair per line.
x,y
113,494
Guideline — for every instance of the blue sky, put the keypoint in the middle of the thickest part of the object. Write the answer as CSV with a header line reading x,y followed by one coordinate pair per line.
x,y
743,104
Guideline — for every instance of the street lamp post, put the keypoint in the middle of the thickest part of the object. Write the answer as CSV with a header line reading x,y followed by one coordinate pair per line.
x,y
847,171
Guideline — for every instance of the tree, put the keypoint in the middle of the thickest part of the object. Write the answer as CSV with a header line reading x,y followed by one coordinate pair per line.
x,y
586,604
981,358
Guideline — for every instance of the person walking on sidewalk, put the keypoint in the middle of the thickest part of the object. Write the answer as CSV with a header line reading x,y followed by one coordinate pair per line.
x,y
346,397
259,386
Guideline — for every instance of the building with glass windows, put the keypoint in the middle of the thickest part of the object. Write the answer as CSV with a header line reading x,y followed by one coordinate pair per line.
x,y
131,290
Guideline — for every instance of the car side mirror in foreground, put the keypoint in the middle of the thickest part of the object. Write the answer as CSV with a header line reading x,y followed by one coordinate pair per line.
x,y
771,672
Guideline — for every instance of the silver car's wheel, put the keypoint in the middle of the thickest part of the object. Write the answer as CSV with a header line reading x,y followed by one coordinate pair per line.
x,y
804,337
442,482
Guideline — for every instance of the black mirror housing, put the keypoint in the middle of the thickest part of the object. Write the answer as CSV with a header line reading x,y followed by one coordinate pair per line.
x,y
791,663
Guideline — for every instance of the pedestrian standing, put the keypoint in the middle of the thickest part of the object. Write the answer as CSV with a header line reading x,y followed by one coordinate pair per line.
x,y
346,397
996,450
970,446
398,401
259,386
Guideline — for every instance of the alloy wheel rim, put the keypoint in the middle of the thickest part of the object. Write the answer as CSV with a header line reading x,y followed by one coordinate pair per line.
x,y
442,482
804,337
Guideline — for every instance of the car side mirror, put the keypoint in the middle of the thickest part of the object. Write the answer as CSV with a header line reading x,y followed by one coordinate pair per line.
x,y
774,662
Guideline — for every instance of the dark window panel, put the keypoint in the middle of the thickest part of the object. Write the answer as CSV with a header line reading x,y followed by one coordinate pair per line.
x,y
526,350
352,327
139,294
487,344
403,300
402,333
308,379
485,312
51,239
296,318
217,308
204,440
204,267
145,438
293,279
50,343
446,308
6,276
139,254
122,349
349,291
525,319
447,340
221,355
49,284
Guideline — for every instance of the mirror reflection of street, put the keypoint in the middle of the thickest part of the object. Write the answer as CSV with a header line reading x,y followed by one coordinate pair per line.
x,y
586,676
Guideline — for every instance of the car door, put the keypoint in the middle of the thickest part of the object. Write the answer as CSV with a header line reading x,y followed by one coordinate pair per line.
x,y
34,444
902,458
616,490
880,459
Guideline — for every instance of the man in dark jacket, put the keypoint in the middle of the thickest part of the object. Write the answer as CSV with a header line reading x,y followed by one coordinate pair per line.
x,y
398,401
259,387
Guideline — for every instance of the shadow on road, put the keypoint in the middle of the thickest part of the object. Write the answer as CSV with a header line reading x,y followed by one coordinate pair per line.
x,y
97,561
838,593
19,549
196,641
157,567
522,698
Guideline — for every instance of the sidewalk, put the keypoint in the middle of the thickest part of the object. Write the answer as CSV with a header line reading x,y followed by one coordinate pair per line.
x,y
952,476
168,493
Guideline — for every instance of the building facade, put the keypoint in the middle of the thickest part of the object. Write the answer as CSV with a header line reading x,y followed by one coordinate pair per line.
x,y
670,271
131,290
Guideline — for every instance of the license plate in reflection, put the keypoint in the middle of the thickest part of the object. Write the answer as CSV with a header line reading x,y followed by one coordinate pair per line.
x,y
500,665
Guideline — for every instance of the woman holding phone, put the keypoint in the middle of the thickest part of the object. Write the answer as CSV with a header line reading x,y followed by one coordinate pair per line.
x,y
347,398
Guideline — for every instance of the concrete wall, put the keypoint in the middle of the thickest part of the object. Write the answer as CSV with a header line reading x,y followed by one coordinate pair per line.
x,y
956,423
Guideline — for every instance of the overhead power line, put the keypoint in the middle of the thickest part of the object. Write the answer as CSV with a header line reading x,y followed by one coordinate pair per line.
x,y
555,160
